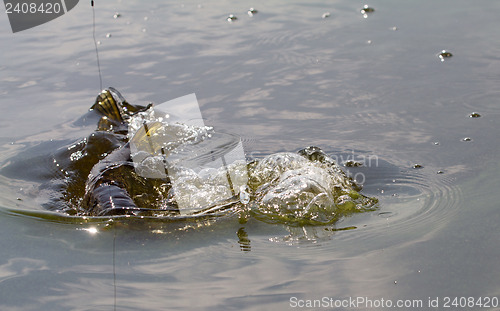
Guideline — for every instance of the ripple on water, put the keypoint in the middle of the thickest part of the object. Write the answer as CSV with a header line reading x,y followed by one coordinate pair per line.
x,y
414,204
410,200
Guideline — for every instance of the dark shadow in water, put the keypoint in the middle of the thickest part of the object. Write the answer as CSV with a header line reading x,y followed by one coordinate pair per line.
x,y
243,240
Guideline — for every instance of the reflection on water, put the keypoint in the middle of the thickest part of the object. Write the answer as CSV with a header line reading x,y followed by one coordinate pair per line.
x,y
19,267
282,79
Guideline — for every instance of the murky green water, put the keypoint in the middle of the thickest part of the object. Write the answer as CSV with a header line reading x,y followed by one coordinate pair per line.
x,y
370,89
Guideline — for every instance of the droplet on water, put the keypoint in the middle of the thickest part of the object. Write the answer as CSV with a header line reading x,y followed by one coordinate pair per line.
x,y
474,115
252,12
367,10
231,18
444,54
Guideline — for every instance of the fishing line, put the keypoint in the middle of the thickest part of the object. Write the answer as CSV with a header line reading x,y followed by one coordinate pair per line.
x,y
95,44
114,266
100,85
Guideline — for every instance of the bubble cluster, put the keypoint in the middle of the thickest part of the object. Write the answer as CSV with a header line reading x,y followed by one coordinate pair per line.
x,y
304,188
